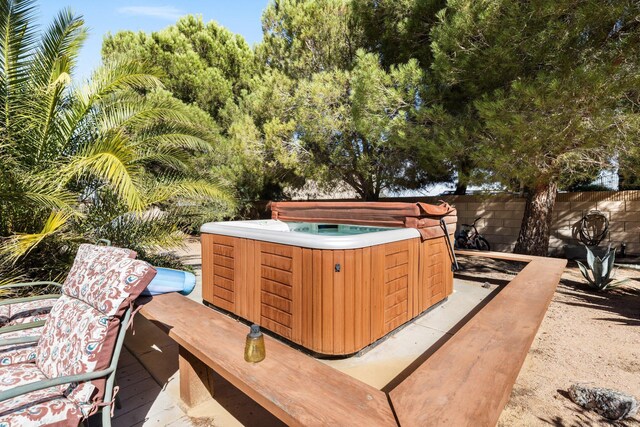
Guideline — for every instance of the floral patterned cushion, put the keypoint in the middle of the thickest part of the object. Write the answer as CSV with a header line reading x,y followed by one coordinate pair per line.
x,y
86,257
27,312
80,334
46,407
91,261
18,353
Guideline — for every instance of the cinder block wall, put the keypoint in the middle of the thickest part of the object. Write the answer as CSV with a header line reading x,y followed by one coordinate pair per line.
x,y
502,216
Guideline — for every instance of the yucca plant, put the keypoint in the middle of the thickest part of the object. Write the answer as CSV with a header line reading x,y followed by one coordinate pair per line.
x,y
77,159
599,271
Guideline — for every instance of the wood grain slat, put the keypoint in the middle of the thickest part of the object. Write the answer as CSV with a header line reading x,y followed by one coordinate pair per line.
x,y
225,272
318,302
224,294
396,272
338,303
359,300
251,277
276,327
350,305
377,292
223,303
327,302
276,261
396,285
276,275
396,310
366,296
275,301
394,323
397,258
277,249
396,297
206,245
307,298
277,288
223,283
224,250
395,247
296,309
220,260
412,306
276,315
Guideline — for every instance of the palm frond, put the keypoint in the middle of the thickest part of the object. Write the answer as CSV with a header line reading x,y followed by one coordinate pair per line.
x,y
110,159
169,159
58,48
187,189
181,141
39,191
21,244
17,38
152,231
119,75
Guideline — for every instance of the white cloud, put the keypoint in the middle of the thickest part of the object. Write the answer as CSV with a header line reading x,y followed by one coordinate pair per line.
x,y
169,13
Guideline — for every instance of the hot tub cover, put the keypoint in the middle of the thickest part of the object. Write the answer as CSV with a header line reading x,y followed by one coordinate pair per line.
x,y
422,216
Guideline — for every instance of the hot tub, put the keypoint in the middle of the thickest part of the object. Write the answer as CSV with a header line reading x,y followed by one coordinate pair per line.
x,y
331,288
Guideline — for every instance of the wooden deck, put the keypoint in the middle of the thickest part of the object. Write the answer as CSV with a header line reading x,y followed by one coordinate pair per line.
x,y
144,401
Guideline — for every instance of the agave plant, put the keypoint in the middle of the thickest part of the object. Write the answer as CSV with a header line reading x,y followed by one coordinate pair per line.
x,y
117,144
599,271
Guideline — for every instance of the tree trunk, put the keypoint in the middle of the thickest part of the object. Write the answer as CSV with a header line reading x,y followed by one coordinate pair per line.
x,y
464,171
461,188
536,222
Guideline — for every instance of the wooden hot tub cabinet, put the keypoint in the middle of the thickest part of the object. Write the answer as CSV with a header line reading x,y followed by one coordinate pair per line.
x,y
332,302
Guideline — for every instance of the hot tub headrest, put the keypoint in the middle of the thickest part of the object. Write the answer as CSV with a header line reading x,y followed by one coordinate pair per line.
x,y
422,216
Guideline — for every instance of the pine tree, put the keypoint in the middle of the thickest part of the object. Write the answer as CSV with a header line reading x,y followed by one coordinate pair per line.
x,y
548,81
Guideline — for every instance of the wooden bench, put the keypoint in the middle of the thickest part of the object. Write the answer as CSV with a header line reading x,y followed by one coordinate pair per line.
x,y
296,388
466,382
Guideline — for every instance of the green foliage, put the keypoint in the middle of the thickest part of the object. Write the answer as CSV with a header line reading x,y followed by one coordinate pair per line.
x,y
546,79
207,66
204,64
79,159
599,271
399,30
301,38
361,127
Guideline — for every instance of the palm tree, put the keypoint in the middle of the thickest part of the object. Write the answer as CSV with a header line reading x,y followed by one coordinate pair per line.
x,y
81,162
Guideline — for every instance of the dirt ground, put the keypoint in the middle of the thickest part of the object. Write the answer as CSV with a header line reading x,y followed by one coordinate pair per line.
x,y
586,337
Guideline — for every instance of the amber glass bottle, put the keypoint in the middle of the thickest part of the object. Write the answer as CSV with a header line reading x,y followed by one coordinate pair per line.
x,y
254,350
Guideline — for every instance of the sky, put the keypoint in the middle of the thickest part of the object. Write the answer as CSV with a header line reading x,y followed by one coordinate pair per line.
x,y
239,16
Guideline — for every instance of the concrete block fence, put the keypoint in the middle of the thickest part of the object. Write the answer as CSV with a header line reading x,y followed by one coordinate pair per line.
x,y
502,216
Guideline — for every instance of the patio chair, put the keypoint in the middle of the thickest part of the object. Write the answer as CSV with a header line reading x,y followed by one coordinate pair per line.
x,y
17,311
73,373
24,317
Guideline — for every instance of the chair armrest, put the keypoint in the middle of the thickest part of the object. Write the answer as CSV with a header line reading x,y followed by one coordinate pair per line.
x,y
40,385
21,326
27,299
25,284
19,340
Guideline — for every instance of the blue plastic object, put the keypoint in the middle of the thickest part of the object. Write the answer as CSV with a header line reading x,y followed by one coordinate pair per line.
x,y
170,280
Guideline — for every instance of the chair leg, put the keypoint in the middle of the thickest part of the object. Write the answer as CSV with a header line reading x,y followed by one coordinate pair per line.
x,y
118,402
106,416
